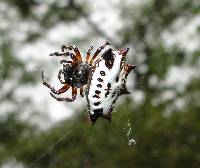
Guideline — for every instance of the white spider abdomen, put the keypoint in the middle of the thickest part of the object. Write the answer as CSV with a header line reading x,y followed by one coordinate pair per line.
x,y
107,83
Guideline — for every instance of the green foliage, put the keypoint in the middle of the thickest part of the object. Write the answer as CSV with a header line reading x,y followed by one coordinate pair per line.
x,y
166,135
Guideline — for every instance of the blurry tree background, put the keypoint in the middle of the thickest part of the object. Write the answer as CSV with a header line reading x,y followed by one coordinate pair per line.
x,y
163,111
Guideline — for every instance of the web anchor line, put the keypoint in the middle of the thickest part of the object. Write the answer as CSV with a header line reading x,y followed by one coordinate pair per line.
x,y
49,149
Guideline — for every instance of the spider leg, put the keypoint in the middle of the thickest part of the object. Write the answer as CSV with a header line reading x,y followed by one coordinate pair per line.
x,y
76,50
74,93
59,77
98,51
66,54
60,54
65,61
44,81
81,91
62,90
74,61
75,57
88,53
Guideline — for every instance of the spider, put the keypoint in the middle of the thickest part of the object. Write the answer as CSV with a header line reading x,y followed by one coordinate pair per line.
x,y
104,76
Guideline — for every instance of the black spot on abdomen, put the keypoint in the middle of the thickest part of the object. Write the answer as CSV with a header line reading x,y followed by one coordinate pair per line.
x,y
97,91
97,113
102,73
97,103
96,96
100,80
117,79
108,89
99,85
107,93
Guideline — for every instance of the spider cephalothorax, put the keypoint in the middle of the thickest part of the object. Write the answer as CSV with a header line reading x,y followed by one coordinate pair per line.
x,y
104,75
76,76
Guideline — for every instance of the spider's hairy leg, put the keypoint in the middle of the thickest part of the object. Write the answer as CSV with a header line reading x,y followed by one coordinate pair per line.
x,y
65,61
57,54
88,53
74,61
81,91
76,50
62,90
98,51
44,81
74,93
59,77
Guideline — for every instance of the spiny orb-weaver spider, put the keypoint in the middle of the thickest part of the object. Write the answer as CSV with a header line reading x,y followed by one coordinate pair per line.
x,y
104,76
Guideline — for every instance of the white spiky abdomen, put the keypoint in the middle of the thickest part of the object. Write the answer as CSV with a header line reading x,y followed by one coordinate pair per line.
x,y
104,86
